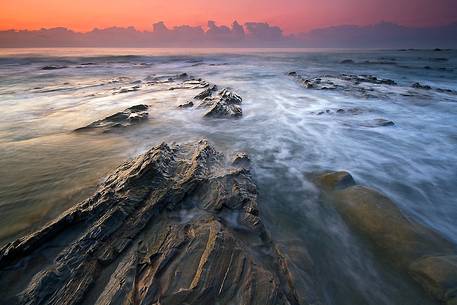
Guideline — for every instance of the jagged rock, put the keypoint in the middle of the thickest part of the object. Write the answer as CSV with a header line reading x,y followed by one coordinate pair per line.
x,y
129,117
159,230
226,104
206,93
426,256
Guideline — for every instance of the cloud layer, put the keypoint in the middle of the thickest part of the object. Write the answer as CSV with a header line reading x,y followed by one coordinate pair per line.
x,y
250,34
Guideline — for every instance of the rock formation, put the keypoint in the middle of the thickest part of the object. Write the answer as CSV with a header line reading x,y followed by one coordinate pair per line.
x,y
430,259
359,85
176,225
222,104
129,117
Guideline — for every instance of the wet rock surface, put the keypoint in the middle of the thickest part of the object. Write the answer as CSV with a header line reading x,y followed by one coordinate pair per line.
x,y
176,225
430,259
359,85
129,117
220,104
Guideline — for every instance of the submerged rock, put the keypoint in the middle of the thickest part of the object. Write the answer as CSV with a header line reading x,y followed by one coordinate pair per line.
x,y
129,117
353,111
430,259
175,225
419,86
378,123
53,67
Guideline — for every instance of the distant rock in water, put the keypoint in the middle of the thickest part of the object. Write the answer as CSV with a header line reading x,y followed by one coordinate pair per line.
x,y
378,123
430,259
190,83
129,117
222,104
347,62
206,93
225,104
53,67
176,225
353,111
361,85
419,86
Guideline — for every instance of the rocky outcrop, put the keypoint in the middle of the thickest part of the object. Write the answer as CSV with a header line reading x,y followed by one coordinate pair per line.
x,y
225,104
206,93
430,259
129,117
222,104
360,85
176,225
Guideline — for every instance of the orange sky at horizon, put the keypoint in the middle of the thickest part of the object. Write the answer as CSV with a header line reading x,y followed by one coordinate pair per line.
x,y
291,15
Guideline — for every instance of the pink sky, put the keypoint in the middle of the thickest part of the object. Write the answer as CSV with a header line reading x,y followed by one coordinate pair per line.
x,y
291,15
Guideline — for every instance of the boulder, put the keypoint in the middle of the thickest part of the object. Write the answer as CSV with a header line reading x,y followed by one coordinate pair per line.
x,y
176,225
428,257
129,117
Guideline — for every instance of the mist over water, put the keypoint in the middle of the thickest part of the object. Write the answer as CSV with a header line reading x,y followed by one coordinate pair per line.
x,y
289,132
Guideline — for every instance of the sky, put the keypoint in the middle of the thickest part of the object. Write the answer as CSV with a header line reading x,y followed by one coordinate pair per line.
x,y
293,16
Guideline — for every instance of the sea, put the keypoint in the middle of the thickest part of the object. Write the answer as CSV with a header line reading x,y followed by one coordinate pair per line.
x,y
290,132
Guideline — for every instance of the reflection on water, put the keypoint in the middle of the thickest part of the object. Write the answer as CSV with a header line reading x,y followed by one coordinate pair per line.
x,y
287,130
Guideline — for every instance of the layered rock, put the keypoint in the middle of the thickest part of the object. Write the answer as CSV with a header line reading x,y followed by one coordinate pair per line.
x,y
222,104
360,85
176,225
129,117
429,258
225,103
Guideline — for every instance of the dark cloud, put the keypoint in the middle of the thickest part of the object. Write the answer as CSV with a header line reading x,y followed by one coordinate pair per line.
x,y
251,34
263,31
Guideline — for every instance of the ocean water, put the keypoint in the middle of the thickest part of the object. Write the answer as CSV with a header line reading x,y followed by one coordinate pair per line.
x,y
289,131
